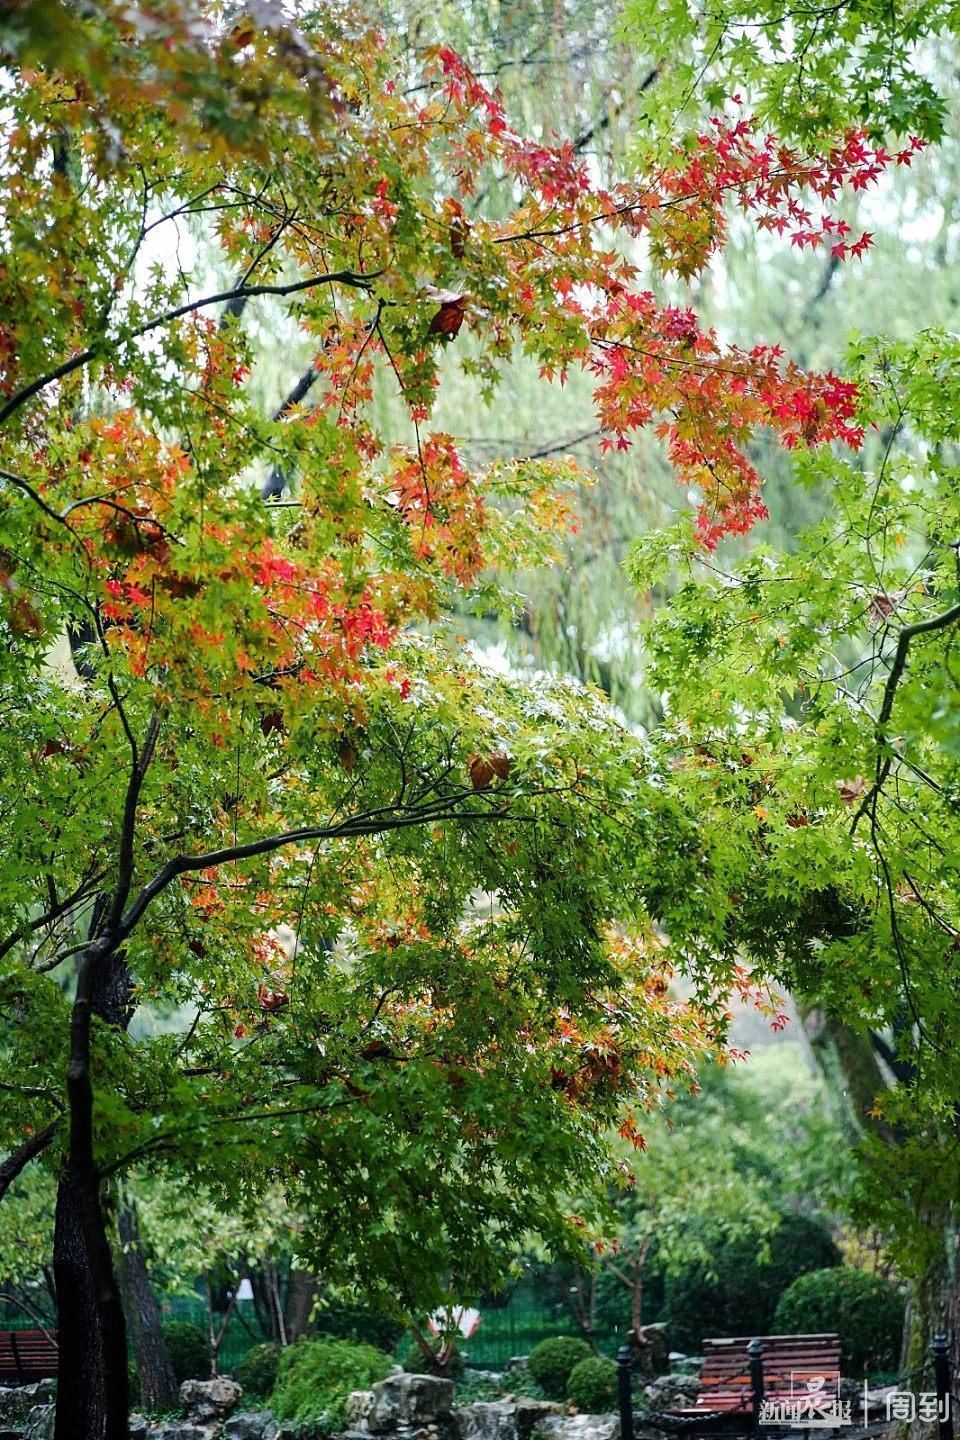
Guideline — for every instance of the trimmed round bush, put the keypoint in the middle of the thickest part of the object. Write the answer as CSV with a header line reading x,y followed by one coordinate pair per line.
x,y
592,1385
189,1350
552,1360
865,1310
257,1371
316,1376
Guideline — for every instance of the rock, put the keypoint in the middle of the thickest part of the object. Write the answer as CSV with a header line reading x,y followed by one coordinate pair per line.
x,y
531,1412
181,1430
656,1337
579,1427
876,1400
250,1425
17,1401
517,1362
203,1400
487,1420
357,1408
409,1399
139,1427
38,1424
670,1390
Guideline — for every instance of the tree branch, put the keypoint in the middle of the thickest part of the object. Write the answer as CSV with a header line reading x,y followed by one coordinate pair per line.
x,y
240,293
20,1159
906,636
373,822
55,913
140,763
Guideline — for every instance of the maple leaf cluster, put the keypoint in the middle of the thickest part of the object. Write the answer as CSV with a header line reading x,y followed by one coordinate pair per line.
x,y
132,425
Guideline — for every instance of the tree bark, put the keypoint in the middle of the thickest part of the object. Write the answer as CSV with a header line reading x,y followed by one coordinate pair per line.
x,y
302,1291
92,1383
933,1307
80,1399
158,1383
850,1063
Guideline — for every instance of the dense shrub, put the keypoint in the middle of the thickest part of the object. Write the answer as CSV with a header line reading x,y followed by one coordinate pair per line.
x,y
592,1385
552,1360
257,1371
865,1310
316,1376
736,1292
189,1350
363,1326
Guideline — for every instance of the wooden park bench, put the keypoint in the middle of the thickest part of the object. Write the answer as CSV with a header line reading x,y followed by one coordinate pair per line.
x,y
738,1374
27,1355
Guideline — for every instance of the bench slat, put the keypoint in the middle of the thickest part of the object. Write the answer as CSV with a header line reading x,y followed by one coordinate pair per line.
x,y
27,1355
725,1374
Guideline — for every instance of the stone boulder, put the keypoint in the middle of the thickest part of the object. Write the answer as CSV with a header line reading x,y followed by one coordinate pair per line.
x,y
357,1409
658,1349
251,1425
669,1391
17,1401
487,1420
578,1427
508,1419
414,1400
38,1424
530,1413
182,1430
206,1400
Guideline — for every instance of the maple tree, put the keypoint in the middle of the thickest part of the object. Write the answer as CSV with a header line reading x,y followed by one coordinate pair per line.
x,y
820,743
251,776
810,70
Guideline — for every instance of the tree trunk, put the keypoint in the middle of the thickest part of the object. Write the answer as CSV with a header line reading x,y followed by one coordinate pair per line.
x,y
81,1406
158,1384
933,1307
302,1290
263,1305
92,1382
850,1063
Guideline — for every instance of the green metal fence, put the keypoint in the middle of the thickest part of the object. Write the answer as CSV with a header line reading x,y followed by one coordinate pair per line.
x,y
243,1328
504,1332
515,1330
